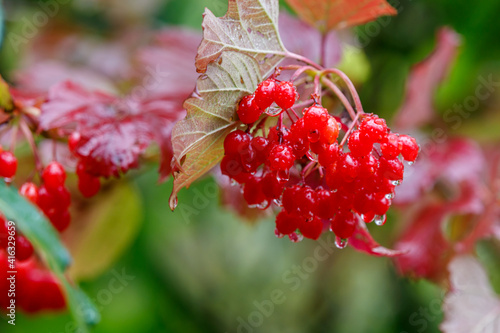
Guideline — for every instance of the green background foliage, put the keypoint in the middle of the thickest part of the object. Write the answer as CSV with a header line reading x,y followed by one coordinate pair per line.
x,y
203,269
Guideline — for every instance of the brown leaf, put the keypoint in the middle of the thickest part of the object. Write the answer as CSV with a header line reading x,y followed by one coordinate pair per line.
x,y
249,27
198,139
424,79
327,15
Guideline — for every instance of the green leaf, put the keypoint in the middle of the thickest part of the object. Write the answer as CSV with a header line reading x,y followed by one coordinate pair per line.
x,y
198,139
45,240
249,27
111,226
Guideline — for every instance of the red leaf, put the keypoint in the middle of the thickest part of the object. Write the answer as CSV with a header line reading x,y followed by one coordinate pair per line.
x,y
454,161
299,37
428,251
424,79
326,15
362,241
169,64
114,131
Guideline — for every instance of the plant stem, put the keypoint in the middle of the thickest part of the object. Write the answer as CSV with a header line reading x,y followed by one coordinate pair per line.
x,y
350,86
298,57
344,139
336,90
322,54
31,141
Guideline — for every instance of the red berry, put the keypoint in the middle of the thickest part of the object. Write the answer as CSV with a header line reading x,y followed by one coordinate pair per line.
x,y
272,187
287,223
248,111
368,166
54,175
374,127
60,219
8,164
46,200
306,201
409,147
344,224
285,94
391,169
73,141
297,138
391,147
359,144
60,197
349,167
315,120
290,195
264,94
331,132
29,191
311,228
253,193
236,142
24,249
281,157
329,156
325,204
261,148
88,185
380,204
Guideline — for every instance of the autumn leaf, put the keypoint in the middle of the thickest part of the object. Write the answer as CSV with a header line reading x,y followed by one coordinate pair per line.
x,y
198,139
114,131
471,305
418,108
237,50
327,15
249,27
362,241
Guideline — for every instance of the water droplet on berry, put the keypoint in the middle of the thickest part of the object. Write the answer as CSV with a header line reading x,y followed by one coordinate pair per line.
x,y
295,238
389,196
340,243
410,163
396,182
278,234
380,219
278,202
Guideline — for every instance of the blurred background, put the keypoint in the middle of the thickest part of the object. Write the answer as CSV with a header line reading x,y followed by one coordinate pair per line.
x,y
204,268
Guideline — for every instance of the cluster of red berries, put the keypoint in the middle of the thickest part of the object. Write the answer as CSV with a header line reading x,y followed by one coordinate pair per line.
x,y
319,184
36,289
8,164
251,107
53,198
11,240
88,183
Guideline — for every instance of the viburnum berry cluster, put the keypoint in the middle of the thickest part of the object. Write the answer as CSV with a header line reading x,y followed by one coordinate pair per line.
x,y
88,183
36,288
52,197
300,166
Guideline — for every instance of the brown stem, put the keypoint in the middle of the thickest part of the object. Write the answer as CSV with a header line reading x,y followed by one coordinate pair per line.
x,y
343,99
